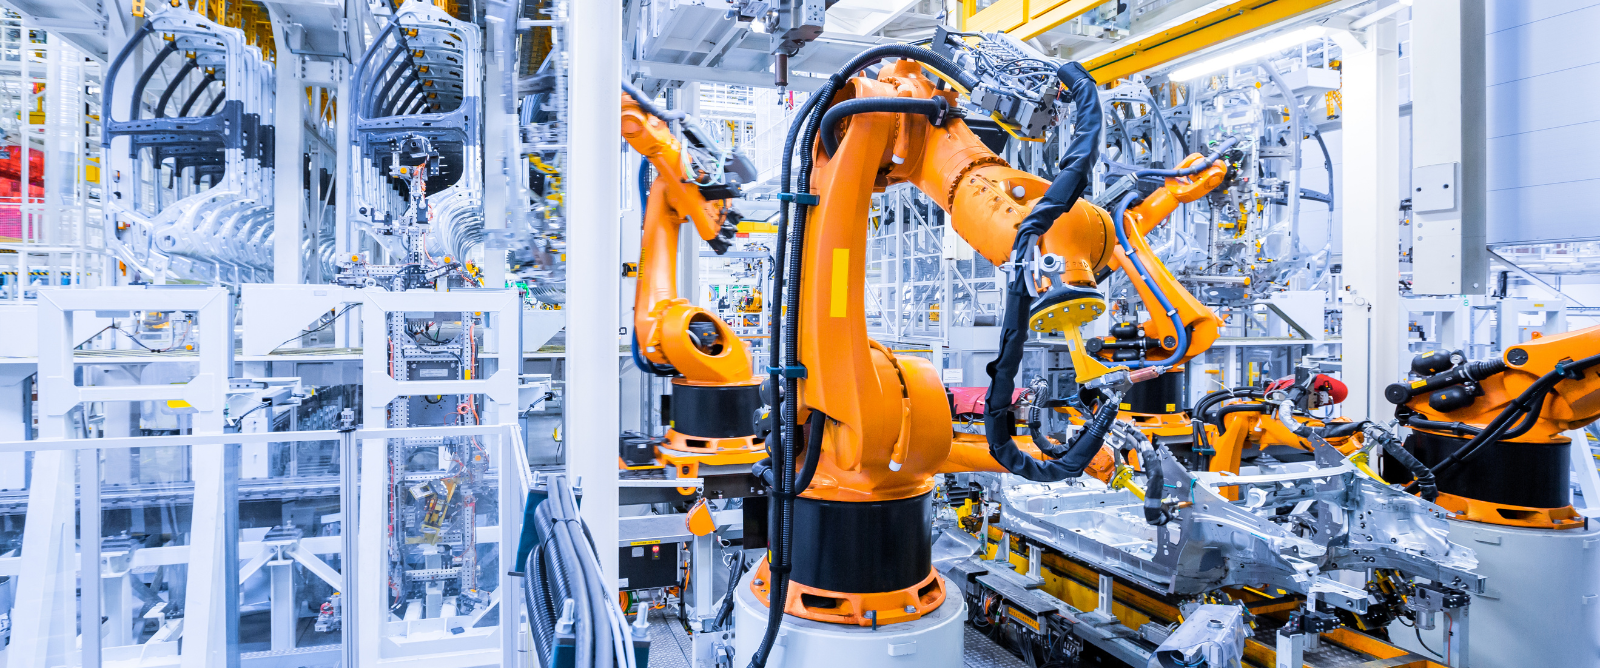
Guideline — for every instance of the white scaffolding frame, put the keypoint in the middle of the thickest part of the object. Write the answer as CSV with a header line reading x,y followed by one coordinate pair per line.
x,y
503,343
45,629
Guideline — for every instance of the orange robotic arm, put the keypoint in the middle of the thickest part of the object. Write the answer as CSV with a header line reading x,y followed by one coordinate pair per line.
x,y
901,416
1493,432
888,426
671,330
889,422
1199,321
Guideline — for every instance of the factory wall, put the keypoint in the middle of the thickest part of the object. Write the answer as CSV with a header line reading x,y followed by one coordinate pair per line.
x,y
1544,119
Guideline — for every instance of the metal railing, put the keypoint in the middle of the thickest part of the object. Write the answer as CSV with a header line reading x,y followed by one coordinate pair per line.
x,y
46,556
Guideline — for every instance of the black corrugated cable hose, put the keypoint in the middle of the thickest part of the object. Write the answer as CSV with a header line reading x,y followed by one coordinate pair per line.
x,y
1456,427
535,583
937,109
1065,190
604,649
567,553
1225,411
1425,482
1202,408
736,569
648,105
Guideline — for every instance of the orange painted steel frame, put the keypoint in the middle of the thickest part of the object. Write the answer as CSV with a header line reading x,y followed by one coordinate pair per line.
x,y
660,317
1573,404
883,407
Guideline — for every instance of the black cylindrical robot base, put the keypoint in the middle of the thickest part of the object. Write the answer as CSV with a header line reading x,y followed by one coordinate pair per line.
x,y
1163,394
1532,475
715,411
863,547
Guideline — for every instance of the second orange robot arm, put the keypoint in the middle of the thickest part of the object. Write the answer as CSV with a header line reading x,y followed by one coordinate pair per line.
x,y
1200,323
671,330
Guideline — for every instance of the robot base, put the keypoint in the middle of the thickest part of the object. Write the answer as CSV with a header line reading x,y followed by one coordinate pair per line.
x,y
934,641
1542,606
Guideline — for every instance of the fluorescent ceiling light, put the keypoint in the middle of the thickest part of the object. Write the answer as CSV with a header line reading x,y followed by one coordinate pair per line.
x,y
1247,53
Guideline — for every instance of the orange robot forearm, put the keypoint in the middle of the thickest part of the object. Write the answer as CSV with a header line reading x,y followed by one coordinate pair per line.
x,y
1572,403
1201,322
661,318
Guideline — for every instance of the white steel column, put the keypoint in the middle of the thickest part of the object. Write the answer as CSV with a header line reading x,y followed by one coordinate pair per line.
x,y
13,465
343,179
282,601
205,642
346,332
288,182
593,280
1372,330
1449,144
43,629
63,123
116,172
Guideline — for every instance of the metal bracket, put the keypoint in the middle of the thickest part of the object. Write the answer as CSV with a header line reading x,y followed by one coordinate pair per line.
x,y
788,371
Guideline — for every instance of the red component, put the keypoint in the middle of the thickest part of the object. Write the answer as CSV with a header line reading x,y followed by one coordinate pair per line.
x,y
1334,387
970,399
1319,383
1144,374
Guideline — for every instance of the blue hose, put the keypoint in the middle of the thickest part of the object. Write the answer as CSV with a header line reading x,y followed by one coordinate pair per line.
x,y
648,366
1144,276
1138,265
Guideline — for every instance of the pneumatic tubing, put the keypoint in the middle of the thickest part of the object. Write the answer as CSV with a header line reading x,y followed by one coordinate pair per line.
x,y
932,108
1525,408
1191,170
1182,332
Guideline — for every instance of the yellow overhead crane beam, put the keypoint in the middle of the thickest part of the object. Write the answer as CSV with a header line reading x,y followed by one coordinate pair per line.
x,y
1234,20
1024,19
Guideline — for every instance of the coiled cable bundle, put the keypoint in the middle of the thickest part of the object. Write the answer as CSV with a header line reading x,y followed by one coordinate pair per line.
x,y
563,590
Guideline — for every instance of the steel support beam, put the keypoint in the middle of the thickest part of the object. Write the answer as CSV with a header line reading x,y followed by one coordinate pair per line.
x,y
594,178
502,151
282,599
1373,334
677,72
288,185
1236,19
1027,19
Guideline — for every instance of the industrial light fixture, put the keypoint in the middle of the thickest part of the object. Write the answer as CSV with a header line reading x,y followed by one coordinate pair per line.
x,y
1248,53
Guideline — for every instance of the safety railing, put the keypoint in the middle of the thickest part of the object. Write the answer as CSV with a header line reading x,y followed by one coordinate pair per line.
x,y
154,578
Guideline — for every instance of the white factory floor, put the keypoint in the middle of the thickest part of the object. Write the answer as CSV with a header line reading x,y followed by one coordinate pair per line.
x,y
669,646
